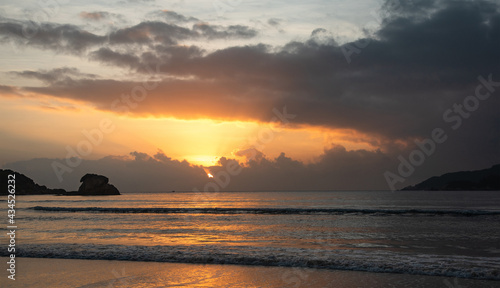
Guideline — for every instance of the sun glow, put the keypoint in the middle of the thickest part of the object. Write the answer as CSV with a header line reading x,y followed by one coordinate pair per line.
x,y
203,160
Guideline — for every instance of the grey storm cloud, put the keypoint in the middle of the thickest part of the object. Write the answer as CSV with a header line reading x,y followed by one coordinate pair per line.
x,y
147,32
115,58
60,38
170,34
219,32
274,22
336,169
413,68
99,15
9,90
172,17
75,40
158,172
56,75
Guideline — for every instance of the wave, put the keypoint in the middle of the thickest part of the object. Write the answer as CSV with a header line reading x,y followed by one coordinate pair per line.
x,y
372,261
62,200
278,211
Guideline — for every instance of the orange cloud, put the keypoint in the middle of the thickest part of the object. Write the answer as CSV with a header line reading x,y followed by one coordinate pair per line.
x,y
94,15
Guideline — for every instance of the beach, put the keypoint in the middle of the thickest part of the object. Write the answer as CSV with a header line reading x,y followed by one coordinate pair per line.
x,y
40,272
257,239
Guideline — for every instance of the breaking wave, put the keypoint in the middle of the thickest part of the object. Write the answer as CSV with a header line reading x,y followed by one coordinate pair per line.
x,y
283,211
376,261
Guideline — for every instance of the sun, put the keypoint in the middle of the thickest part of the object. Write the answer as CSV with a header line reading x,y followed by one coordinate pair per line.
x,y
210,175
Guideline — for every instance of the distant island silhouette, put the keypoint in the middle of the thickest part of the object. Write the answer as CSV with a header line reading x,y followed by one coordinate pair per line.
x,y
92,185
486,179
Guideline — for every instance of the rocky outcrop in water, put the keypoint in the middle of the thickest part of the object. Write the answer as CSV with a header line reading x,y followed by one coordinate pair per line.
x,y
93,184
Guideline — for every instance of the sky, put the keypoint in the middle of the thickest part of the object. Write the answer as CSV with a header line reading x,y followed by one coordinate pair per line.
x,y
249,95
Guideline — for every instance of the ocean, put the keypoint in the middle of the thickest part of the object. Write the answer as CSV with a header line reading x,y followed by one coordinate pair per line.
x,y
454,234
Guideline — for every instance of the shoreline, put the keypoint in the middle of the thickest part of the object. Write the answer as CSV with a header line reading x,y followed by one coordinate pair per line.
x,y
54,272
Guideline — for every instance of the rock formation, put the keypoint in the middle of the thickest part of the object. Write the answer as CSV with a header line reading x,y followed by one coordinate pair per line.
x,y
24,185
93,184
486,179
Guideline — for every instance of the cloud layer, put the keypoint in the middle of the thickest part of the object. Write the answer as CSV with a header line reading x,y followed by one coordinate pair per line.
x,y
413,66
337,169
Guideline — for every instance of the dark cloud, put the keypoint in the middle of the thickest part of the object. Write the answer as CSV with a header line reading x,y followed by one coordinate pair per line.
x,y
172,17
178,95
219,32
111,57
147,32
100,17
170,34
9,91
251,155
274,21
60,38
416,9
414,68
139,173
56,75
97,16
65,38
336,169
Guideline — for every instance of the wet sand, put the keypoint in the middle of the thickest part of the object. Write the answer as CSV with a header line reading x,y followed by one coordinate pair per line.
x,y
38,272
